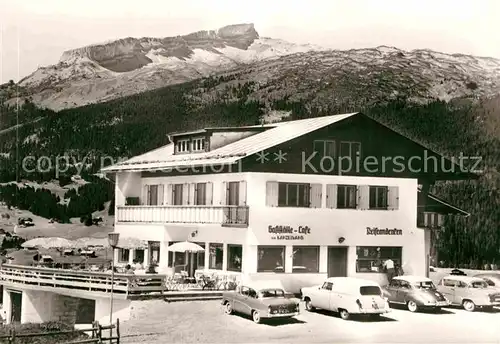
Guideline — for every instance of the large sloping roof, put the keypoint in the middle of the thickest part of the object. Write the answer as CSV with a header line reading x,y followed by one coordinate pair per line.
x,y
164,158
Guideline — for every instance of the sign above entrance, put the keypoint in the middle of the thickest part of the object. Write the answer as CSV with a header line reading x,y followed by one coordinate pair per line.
x,y
383,231
288,232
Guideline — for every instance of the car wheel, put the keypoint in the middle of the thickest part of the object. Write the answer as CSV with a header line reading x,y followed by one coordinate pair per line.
x,y
469,306
256,317
412,306
344,314
309,306
229,308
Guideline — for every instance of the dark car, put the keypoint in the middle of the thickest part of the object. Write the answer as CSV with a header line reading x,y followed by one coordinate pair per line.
x,y
260,300
415,292
457,272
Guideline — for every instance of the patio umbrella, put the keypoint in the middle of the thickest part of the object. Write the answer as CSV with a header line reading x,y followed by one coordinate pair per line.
x,y
48,243
185,246
131,243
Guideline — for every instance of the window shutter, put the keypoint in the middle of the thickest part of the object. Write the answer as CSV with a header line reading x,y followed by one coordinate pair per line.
x,y
243,193
161,194
331,195
223,194
169,194
145,192
192,193
316,195
363,197
185,194
272,194
209,193
393,198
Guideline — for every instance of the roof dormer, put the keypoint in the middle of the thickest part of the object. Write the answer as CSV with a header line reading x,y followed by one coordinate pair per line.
x,y
190,144
209,139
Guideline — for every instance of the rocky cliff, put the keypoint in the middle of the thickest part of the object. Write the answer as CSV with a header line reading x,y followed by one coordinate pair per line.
x,y
131,65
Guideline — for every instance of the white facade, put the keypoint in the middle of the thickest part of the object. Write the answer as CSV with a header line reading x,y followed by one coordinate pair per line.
x,y
326,225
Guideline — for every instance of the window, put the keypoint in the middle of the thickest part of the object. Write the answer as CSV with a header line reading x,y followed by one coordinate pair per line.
x,y
350,149
154,252
305,259
449,283
182,146
234,256
200,197
123,255
176,258
371,258
378,197
489,282
349,152
152,194
271,259
198,144
324,148
395,283
216,256
346,197
293,195
139,256
327,286
370,291
405,285
200,257
177,190
233,193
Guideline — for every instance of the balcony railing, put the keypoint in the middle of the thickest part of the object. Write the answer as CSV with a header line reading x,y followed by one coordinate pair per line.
x,y
126,286
225,215
430,220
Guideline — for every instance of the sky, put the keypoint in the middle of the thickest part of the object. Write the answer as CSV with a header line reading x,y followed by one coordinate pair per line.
x,y
35,33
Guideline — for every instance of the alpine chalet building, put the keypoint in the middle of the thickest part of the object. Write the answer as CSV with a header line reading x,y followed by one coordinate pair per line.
x,y
297,201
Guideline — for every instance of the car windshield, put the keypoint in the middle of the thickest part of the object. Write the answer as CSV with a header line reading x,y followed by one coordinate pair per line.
x,y
271,293
370,290
424,285
479,284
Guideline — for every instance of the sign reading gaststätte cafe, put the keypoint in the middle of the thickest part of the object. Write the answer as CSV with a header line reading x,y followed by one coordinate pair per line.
x,y
383,231
288,232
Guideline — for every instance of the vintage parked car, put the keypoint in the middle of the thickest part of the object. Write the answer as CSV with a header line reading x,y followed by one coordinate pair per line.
x,y
469,292
491,278
261,300
347,296
415,292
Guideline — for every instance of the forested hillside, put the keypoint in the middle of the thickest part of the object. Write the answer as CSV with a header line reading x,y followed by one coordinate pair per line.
x,y
132,125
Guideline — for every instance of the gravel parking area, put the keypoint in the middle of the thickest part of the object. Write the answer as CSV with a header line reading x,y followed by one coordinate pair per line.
x,y
205,322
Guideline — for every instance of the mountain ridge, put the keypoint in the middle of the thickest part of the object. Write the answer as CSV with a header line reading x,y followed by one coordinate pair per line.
x,y
105,71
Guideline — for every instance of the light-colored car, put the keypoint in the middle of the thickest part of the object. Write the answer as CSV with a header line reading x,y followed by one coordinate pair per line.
x,y
469,292
261,300
346,295
491,278
415,292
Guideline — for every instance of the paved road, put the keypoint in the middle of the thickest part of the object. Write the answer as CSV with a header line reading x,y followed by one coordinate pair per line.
x,y
205,322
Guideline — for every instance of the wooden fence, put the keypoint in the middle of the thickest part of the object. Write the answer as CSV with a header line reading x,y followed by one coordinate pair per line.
x,y
85,281
98,334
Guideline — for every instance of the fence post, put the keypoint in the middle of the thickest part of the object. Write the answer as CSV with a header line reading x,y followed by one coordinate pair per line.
x,y
118,331
99,332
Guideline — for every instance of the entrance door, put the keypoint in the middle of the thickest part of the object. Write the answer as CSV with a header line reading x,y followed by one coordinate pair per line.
x,y
15,306
337,261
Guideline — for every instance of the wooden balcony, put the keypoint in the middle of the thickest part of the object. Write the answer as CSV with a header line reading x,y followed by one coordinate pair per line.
x,y
81,283
231,216
430,220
